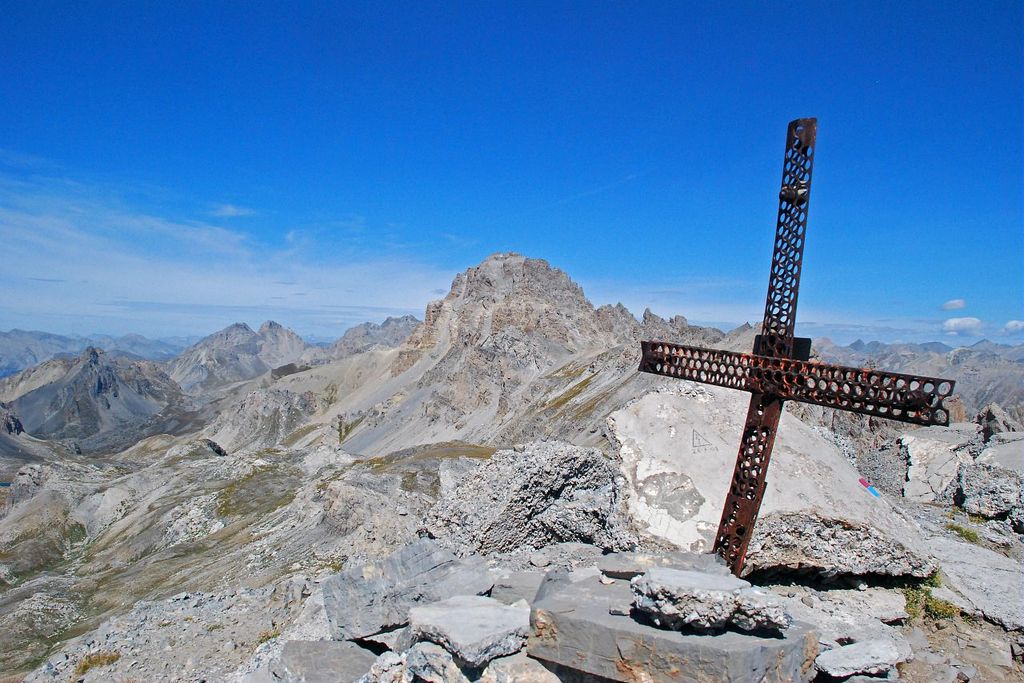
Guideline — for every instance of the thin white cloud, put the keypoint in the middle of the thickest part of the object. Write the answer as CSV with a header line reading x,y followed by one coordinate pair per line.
x,y
231,211
1013,327
954,305
956,326
129,269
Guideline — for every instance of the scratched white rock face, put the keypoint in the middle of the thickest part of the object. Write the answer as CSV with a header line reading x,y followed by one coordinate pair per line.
x,y
678,448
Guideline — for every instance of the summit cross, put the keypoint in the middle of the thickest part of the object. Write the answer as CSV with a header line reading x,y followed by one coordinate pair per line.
x,y
778,369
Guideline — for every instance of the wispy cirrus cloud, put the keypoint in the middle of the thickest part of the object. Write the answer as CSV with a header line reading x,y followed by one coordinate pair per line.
x,y
82,258
231,211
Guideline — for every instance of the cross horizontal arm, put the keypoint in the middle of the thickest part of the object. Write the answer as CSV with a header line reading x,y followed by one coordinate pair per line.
x,y
906,398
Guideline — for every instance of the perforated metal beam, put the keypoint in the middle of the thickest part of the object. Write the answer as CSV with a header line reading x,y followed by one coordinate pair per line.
x,y
907,398
790,231
748,480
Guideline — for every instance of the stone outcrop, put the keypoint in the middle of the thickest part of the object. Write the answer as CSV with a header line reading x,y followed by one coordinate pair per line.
x,y
533,496
378,595
989,490
262,419
994,420
678,447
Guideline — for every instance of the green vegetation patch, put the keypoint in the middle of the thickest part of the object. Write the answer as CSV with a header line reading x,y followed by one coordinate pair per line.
x,y
345,429
969,535
263,490
298,434
269,634
921,603
570,370
96,660
569,394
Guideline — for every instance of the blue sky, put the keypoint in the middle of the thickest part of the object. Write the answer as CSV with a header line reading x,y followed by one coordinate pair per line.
x,y
169,170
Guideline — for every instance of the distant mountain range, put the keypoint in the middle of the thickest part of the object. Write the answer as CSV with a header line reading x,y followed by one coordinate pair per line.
x,y
20,349
515,351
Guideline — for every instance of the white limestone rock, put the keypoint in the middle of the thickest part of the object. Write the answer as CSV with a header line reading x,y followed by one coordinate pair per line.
x,y
934,456
678,447
871,657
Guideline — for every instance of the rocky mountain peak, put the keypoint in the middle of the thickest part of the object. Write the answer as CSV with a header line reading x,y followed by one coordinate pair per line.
x,y
234,354
90,354
509,304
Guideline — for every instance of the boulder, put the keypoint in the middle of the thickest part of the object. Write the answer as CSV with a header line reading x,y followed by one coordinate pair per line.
x,y
367,599
517,668
533,496
842,617
678,448
681,599
586,626
433,664
994,420
474,629
934,456
388,668
324,661
1005,450
989,490
512,586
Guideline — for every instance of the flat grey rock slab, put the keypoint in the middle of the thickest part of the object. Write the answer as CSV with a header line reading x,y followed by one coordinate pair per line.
x,y
322,661
989,582
473,628
870,657
573,626
626,565
556,578
511,586
683,599
367,599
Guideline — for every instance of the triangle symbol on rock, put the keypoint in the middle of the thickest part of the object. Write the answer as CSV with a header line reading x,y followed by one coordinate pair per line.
x,y
699,440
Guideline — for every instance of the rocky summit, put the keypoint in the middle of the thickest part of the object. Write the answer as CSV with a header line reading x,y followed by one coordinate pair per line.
x,y
493,494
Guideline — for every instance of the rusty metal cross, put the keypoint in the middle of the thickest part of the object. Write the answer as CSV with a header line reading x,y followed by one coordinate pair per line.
x,y
778,369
